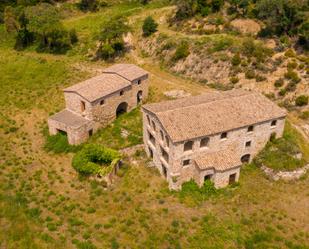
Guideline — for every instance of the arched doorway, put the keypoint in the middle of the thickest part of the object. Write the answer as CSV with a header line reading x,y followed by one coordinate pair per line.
x,y
245,158
122,108
139,97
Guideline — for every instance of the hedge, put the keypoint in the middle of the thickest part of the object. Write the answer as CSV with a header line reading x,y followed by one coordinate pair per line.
x,y
95,159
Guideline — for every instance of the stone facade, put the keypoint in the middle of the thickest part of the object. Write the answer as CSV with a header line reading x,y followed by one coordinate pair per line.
x,y
179,165
100,111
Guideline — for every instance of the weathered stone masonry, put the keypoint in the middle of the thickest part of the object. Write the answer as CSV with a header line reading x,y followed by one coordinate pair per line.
x,y
97,101
209,136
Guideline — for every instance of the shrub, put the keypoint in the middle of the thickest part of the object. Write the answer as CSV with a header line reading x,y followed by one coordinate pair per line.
x,y
236,60
290,53
250,74
93,158
292,76
279,83
259,78
291,87
88,5
301,100
250,48
234,80
149,26
182,51
292,65
282,92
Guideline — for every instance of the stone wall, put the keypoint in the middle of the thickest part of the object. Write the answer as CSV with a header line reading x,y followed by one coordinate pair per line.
x,y
76,135
236,138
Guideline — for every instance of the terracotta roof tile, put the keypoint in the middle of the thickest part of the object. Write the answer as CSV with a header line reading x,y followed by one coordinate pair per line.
x,y
213,113
128,71
221,160
69,118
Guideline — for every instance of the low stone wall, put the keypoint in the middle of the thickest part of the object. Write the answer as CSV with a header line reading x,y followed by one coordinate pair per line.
x,y
109,177
285,175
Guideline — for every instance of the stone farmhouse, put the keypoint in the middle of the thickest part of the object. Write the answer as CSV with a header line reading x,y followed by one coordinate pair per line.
x,y
95,102
209,137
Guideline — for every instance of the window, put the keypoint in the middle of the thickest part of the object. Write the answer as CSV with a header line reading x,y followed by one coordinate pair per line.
x,y
223,135
185,162
139,82
102,102
188,146
273,123
204,142
152,139
121,93
154,126
82,106
248,143
164,154
162,136
148,119
167,141
90,132
250,128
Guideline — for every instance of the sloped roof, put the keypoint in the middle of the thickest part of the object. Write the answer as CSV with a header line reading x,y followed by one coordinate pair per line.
x,y
128,71
213,113
99,86
221,160
69,118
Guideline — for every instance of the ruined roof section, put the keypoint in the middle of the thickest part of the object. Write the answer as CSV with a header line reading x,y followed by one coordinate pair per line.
x,y
221,160
213,113
69,118
127,71
99,86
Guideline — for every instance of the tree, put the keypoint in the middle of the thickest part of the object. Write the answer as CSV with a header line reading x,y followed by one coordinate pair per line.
x,y
111,37
239,6
282,16
88,5
149,26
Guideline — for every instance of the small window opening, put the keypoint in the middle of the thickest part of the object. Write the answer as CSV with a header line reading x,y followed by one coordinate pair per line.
x,y
248,143
167,141
102,102
223,135
204,142
82,106
188,146
139,82
186,162
273,123
162,136
121,93
154,126
250,128
90,132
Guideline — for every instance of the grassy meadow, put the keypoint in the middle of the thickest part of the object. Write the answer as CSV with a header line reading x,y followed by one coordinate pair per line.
x,y
44,203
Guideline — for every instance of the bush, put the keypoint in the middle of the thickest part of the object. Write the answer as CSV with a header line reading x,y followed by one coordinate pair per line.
x,y
236,60
182,51
292,65
290,53
301,100
304,115
279,83
88,5
259,78
92,158
292,76
234,80
250,74
291,87
149,26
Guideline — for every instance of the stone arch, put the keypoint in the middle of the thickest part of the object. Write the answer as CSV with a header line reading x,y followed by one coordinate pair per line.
x,y
139,96
245,158
122,108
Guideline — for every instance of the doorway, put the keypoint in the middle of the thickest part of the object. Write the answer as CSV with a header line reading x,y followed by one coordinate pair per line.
x,y
164,171
245,158
232,178
139,97
122,108
207,178
90,132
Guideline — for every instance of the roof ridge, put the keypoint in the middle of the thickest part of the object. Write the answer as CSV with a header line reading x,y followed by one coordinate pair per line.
x,y
207,102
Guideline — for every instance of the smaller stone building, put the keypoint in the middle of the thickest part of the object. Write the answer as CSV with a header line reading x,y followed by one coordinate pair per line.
x,y
95,102
209,137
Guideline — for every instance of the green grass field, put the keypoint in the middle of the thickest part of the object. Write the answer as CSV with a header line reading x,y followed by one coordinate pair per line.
x,y
44,203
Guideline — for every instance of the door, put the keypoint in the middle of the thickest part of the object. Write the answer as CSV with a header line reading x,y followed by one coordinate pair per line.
x,y
232,178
